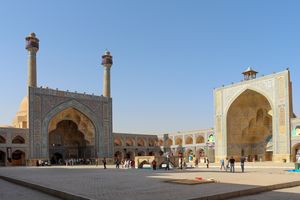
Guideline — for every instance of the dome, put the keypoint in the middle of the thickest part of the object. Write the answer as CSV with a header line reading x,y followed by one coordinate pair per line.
x,y
24,105
20,120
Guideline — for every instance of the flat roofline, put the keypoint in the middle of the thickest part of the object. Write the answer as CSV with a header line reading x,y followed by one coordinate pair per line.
x,y
13,128
136,134
55,92
252,80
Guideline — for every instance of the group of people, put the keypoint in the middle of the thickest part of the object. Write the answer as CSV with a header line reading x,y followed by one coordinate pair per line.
x,y
79,161
67,162
229,165
127,163
206,162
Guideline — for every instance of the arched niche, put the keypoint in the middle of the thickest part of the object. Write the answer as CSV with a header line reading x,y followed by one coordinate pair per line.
x,y
18,140
200,139
178,141
249,123
118,142
189,140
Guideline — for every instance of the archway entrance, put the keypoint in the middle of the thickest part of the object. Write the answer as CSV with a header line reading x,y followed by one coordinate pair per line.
x,y
141,153
200,153
249,127
296,152
129,155
18,158
2,158
71,136
118,155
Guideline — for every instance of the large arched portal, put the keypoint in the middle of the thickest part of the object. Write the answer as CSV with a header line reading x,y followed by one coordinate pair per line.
x,y
71,135
249,127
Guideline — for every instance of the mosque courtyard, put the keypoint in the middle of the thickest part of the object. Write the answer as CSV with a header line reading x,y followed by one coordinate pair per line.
x,y
94,182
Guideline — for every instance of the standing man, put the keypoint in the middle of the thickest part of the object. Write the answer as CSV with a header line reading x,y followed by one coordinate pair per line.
x,y
222,164
168,162
117,163
196,162
154,164
232,161
207,163
104,162
243,163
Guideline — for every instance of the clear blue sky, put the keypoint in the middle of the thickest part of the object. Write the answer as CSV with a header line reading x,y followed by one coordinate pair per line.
x,y
168,55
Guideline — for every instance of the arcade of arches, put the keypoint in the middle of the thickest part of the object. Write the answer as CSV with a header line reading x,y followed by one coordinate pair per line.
x,y
71,135
249,127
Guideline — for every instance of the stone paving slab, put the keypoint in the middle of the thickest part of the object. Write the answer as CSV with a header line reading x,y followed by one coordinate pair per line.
x,y
287,194
97,183
9,191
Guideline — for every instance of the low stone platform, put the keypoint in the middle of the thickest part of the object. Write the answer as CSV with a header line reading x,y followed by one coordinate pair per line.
x,y
96,183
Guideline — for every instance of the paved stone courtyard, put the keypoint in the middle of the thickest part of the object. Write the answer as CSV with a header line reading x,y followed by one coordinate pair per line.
x,y
288,193
12,191
96,183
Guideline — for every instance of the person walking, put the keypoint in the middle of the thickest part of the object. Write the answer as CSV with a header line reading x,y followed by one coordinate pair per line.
x,y
168,162
222,164
104,162
207,163
196,162
181,163
226,164
117,164
167,165
243,163
154,165
132,164
232,161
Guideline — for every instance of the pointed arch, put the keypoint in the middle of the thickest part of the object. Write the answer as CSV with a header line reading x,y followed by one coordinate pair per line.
x,y
118,141
200,139
189,140
18,158
18,140
141,142
178,141
2,140
130,142
237,95
82,109
169,142
245,129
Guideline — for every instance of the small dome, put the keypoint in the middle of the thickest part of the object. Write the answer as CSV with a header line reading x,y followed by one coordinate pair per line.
x,y
24,105
249,69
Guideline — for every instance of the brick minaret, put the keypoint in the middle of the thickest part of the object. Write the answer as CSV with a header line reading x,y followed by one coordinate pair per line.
x,y
107,63
32,45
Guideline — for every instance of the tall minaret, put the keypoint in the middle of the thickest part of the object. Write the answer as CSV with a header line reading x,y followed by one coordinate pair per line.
x,y
107,63
32,45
